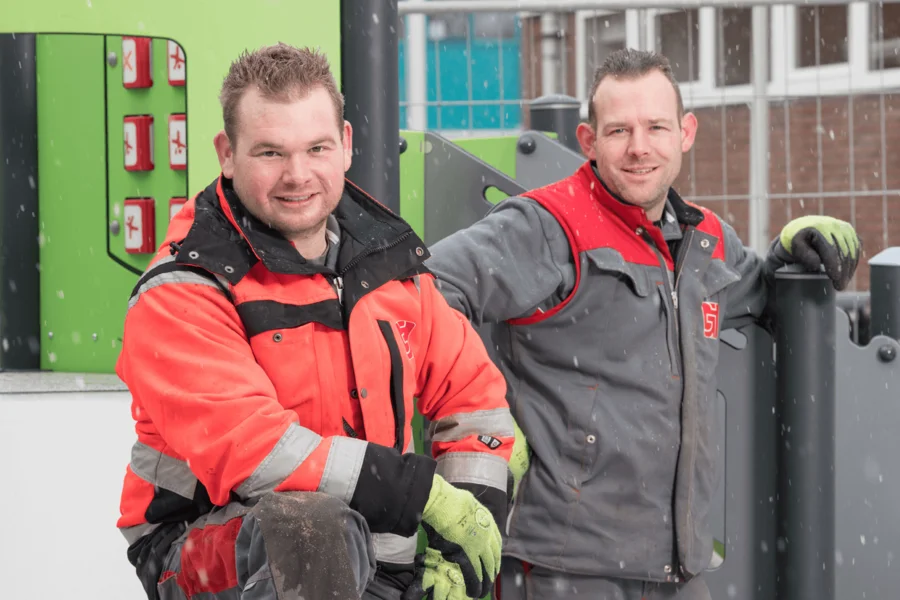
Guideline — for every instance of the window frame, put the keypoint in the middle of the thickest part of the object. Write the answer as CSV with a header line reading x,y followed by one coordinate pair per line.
x,y
787,79
632,40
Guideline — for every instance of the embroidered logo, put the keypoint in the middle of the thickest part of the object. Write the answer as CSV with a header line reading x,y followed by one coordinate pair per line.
x,y
711,319
491,442
405,328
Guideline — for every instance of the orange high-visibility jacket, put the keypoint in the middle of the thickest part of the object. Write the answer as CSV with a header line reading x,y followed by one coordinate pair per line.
x,y
253,370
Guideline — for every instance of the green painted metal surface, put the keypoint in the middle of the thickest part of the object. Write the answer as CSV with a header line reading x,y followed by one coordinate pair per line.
x,y
499,152
212,34
83,292
162,183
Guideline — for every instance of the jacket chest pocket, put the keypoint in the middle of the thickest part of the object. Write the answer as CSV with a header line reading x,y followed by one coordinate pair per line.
x,y
612,285
640,316
289,357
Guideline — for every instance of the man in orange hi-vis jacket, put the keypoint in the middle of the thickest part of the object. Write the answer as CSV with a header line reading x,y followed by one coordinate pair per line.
x,y
274,349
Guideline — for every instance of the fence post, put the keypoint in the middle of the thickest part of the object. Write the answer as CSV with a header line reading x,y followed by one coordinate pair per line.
x,y
805,396
884,286
370,73
559,114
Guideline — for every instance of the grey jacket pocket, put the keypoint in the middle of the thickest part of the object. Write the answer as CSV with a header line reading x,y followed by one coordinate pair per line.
x,y
610,261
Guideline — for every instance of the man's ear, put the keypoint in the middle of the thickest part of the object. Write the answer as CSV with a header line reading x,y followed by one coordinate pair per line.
x,y
689,126
225,152
347,142
586,138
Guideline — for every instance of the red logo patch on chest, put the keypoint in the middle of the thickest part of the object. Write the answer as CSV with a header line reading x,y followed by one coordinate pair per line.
x,y
711,319
405,328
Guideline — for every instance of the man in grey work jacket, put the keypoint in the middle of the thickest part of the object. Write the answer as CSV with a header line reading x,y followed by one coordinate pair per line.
x,y
607,292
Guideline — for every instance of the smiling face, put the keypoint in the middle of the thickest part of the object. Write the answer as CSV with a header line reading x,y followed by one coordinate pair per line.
x,y
639,138
288,163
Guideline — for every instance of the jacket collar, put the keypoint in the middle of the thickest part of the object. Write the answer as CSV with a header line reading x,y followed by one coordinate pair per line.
x,y
635,216
227,240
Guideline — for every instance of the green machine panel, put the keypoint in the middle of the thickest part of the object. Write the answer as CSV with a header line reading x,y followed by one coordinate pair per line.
x,y
86,271
82,300
160,184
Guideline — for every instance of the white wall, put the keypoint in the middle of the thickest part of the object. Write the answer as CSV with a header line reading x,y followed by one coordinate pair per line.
x,y
65,441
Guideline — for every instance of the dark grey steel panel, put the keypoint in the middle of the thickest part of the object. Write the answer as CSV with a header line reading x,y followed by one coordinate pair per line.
x,y
747,381
867,467
541,160
455,184
19,253
369,77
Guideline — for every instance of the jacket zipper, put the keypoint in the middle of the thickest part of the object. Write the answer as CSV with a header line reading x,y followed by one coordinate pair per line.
x,y
356,259
515,502
670,300
338,284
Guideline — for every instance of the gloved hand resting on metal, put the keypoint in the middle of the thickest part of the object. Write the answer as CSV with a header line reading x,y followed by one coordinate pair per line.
x,y
815,241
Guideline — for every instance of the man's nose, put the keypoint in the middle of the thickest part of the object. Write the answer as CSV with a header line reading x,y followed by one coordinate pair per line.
x,y
296,170
639,144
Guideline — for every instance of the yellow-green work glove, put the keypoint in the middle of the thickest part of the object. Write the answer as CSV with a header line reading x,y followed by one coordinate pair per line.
x,y
815,241
462,531
436,579
520,458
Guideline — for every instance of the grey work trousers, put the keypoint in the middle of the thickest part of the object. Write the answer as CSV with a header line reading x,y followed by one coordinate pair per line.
x,y
538,583
287,546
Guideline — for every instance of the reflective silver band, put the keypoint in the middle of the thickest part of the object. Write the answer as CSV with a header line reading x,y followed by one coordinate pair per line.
x,y
342,468
394,549
162,470
473,467
496,423
295,445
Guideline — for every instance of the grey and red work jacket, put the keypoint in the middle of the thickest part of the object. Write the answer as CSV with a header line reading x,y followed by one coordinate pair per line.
x,y
609,345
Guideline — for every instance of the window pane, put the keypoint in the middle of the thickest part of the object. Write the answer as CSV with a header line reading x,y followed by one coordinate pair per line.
x,y
603,36
734,36
831,41
885,36
447,26
677,37
495,25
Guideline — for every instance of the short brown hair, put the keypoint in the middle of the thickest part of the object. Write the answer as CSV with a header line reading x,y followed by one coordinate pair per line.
x,y
629,63
280,72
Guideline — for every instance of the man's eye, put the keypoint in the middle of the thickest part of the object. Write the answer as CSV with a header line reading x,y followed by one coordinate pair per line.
x,y
317,149
270,153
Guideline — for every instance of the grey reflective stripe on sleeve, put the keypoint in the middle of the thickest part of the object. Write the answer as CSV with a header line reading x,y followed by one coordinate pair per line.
x,y
294,446
133,534
162,470
175,277
394,549
473,467
345,458
497,422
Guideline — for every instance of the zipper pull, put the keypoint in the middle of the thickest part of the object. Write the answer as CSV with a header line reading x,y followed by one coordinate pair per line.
x,y
339,288
675,299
